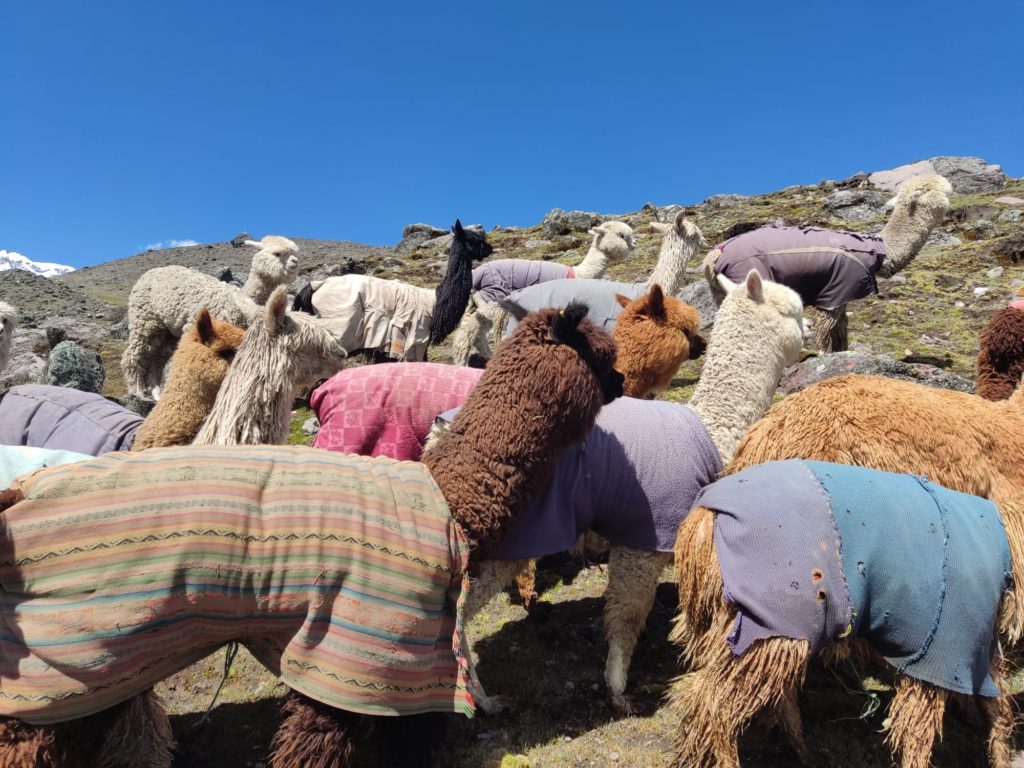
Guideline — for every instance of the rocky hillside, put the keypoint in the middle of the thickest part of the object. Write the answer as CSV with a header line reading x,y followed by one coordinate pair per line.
x,y
929,314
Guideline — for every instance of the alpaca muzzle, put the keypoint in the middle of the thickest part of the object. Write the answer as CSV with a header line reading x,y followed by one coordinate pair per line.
x,y
611,385
697,346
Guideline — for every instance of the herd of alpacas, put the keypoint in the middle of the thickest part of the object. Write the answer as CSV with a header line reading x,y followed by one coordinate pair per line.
x,y
862,515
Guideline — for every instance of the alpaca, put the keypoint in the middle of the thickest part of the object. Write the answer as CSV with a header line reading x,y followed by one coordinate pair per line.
x,y
830,269
198,368
165,301
495,280
1001,359
376,522
794,561
8,322
283,352
644,462
599,295
64,419
392,320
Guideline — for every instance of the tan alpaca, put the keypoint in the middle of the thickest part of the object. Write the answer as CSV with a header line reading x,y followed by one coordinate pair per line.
x,y
198,368
8,322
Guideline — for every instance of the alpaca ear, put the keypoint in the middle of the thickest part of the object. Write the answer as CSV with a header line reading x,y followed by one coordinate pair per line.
x,y
754,286
565,322
727,284
623,300
254,243
276,309
457,230
657,302
516,310
204,326
680,220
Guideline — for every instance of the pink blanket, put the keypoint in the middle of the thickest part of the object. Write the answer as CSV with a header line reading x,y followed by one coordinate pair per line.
x,y
387,410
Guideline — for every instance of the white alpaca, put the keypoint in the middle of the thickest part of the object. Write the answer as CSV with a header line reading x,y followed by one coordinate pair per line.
x,y
830,269
280,352
8,322
165,301
495,280
680,244
757,333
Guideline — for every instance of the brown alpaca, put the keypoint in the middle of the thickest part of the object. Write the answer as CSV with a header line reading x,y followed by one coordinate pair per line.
x,y
716,701
655,334
1001,359
198,368
559,370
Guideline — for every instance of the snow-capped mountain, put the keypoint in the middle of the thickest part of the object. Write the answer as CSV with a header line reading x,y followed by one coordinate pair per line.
x,y
12,260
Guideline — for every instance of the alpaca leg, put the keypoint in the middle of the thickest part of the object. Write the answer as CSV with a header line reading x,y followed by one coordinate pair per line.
x,y
139,736
714,704
471,336
999,714
788,718
144,358
824,326
708,265
411,741
312,735
526,585
493,576
632,581
915,718
840,339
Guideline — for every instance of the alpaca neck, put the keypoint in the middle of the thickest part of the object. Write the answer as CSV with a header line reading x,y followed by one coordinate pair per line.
x,y
904,236
736,384
670,270
186,402
593,265
258,288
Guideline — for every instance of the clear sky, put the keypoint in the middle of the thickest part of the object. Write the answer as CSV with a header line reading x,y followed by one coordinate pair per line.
x,y
125,124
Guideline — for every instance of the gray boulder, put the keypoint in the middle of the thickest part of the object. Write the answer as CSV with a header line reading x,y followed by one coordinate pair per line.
x,y
415,235
698,295
71,365
822,367
856,204
28,358
968,175
558,222
239,240
724,201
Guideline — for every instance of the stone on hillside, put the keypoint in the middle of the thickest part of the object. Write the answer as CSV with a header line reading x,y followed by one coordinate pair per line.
x,y
968,175
55,336
856,204
1010,200
225,276
981,291
937,237
995,273
74,366
863,360
698,295
239,240
1012,215
559,222
85,332
982,229
140,405
348,266
415,235
724,201
533,245
311,425
27,360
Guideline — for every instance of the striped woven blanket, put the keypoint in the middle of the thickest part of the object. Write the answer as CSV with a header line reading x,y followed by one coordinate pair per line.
x,y
342,574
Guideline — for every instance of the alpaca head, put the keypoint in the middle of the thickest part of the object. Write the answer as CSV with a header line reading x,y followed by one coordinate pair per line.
x,y
276,260
209,347
771,311
682,229
614,239
920,205
654,334
8,322
288,348
469,244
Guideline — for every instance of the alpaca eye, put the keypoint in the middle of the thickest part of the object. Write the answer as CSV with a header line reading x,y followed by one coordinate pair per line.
x,y
227,354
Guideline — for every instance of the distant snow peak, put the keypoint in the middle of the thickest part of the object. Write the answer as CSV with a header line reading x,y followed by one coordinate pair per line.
x,y
12,260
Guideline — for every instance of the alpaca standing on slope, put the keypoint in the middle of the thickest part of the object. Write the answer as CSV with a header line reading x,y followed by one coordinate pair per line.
x,y
495,280
281,516
165,301
669,272
1001,359
830,269
811,556
8,322
198,368
392,320
284,351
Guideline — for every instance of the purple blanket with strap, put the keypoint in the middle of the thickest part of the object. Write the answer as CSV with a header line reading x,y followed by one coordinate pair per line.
x,y
494,280
828,269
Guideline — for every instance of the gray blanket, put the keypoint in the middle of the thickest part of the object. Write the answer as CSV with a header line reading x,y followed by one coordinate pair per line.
x,y
598,295
495,280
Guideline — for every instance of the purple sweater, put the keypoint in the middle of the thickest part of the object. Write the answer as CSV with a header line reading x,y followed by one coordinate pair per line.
x,y
632,481
828,269
494,280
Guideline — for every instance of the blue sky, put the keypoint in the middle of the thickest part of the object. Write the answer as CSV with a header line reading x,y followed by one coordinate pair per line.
x,y
128,124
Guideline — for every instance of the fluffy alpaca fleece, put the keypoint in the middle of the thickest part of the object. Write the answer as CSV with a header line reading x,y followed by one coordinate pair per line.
x,y
681,242
8,322
560,369
758,332
1001,359
919,207
198,368
165,301
392,320
718,700
612,243
277,355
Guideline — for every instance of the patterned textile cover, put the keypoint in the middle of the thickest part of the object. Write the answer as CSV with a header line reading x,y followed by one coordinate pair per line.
x,y
598,295
17,460
495,280
387,410
828,269
341,574
817,551
632,481
65,419
370,313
